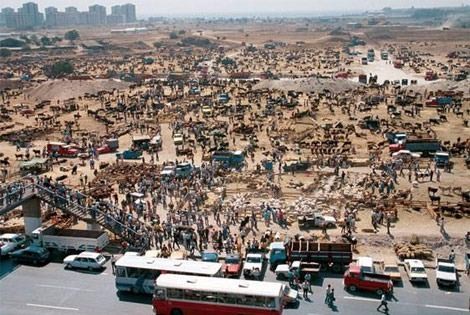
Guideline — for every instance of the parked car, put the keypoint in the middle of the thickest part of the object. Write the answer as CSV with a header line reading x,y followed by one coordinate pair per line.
x,y
446,273
210,256
253,265
393,271
415,270
233,266
10,241
316,220
31,254
85,260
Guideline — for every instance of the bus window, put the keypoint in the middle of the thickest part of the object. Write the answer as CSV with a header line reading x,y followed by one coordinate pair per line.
x,y
209,297
270,302
120,272
259,301
226,298
174,293
191,295
160,294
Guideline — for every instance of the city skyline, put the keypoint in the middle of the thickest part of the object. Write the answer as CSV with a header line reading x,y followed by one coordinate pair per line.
x,y
241,7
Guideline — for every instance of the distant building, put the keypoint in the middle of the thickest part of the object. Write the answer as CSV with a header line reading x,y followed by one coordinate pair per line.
x,y
128,10
28,16
96,15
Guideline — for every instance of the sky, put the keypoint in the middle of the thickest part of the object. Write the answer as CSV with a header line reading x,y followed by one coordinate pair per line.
x,y
146,8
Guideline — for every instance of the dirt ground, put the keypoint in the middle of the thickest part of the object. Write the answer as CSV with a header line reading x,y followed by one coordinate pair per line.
x,y
315,40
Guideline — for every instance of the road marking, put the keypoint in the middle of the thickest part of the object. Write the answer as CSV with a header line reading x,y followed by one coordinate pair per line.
x,y
361,299
54,307
447,308
63,288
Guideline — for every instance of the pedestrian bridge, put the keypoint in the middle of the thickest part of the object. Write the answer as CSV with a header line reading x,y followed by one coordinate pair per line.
x,y
30,197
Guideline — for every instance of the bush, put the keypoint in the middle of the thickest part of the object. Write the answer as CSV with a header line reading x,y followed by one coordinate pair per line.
x,y
173,35
4,53
195,41
158,44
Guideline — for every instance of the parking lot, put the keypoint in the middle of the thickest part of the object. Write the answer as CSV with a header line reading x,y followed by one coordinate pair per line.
x,y
51,289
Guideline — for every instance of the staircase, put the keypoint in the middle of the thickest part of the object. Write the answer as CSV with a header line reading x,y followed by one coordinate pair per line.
x,y
89,215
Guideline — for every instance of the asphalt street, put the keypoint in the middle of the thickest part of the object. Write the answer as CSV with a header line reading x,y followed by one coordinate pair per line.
x,y
50,289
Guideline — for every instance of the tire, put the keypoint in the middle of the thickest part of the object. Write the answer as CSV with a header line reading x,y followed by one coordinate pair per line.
x,y
68,266
352,288
379,292
35,262
330,225
176,311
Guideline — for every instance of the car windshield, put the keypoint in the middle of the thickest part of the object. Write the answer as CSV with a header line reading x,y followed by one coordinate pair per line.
x,y
209,256
446,268
253,259
391,269
232,260
418,269
100,258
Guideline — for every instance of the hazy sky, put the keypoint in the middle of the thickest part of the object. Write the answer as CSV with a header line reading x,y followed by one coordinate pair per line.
x,y
147,8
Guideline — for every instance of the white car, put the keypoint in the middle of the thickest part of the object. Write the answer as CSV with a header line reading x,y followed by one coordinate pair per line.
x,y
405,154
85,260
415,270
9,242
321,220
253,266
168,171
446,273
178,139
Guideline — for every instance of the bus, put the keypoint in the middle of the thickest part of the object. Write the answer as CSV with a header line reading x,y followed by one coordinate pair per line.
x,y
137,274
183,295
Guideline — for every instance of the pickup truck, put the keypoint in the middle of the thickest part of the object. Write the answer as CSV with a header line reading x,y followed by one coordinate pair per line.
x,y
253,266
316,220
355,279
446,273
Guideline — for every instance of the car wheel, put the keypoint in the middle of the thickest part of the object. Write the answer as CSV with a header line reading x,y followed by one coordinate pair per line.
x,y
379,292
352,288
68,266
176,311
330,225
35,262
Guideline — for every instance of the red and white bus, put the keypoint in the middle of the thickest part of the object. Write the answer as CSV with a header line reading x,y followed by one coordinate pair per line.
x,y
192,295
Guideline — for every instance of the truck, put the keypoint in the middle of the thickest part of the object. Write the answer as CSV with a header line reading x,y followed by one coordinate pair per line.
x,y
363,78
330,255
430,76
69,240
371,55
384,55
442,159
299,267
253,266
229,159
446,273
62,149
355,279
426,147
439,101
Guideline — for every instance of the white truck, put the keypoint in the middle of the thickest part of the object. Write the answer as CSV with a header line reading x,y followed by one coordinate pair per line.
x,y
9,242
446,273
69,240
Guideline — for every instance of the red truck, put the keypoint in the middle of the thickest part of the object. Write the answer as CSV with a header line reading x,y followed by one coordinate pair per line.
x,y
62,149
375,282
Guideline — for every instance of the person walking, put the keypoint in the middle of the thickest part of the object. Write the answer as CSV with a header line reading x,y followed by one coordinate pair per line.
x,y
383,302
305,287
331,298
308,278
327,296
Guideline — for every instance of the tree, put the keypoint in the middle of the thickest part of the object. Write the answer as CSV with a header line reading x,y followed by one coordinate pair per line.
x,y
72,35
173,35
4,53
59,69
46,41
158,44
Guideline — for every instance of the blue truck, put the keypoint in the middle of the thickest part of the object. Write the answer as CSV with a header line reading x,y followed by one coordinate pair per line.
x,y
426,147
229,159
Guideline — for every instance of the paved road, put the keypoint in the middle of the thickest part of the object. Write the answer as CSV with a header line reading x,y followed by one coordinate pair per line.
x,y
53,290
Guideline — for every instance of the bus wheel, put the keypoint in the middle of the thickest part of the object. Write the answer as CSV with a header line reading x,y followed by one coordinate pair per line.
x,y
176,311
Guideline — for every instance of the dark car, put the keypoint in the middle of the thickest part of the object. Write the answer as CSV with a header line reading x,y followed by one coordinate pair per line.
x,y
32,254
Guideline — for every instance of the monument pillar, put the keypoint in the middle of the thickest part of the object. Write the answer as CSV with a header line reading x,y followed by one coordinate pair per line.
x,y
31,215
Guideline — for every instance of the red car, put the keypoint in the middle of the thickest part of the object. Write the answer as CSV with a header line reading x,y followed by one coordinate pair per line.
x,y
233,266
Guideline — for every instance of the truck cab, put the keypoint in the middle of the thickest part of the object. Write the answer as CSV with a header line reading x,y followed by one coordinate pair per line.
x,y
442,159
277,254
